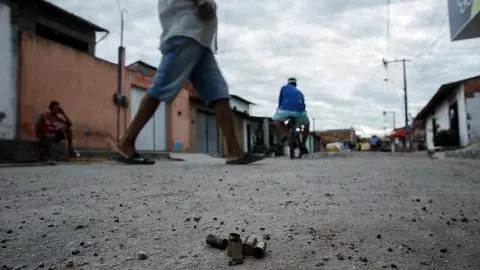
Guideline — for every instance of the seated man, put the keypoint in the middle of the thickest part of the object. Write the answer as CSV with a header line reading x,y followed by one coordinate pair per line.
x,y
52,127
291,104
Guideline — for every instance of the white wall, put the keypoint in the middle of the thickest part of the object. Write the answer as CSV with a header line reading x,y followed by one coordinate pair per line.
x,y
443,119
462,116
241,105
473,109
441,115
429,133
245,146
8,93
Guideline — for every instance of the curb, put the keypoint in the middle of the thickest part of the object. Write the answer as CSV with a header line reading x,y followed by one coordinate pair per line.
x,y
464,154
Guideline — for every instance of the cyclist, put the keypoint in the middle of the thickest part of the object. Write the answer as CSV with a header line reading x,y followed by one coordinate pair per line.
x,y
291,104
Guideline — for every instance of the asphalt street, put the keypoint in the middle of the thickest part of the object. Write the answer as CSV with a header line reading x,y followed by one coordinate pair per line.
x,y
362,211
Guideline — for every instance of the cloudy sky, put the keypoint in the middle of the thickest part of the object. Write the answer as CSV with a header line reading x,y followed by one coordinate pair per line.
x,y
334,48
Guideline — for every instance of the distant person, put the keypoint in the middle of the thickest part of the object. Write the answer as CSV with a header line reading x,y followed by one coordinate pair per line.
x,y
291,104
54,126
374,141
188,44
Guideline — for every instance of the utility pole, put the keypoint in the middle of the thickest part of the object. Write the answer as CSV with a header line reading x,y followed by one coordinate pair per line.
x,y
405,96
119,97
392,143
405,93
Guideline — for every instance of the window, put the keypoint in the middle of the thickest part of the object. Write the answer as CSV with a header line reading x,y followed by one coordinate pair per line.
x,y
54,35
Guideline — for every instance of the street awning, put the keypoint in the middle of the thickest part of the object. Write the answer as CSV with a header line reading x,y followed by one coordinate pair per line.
x,y
399,133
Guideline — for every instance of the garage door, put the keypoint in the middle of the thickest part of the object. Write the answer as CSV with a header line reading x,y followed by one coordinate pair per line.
x,y
207,133
154,134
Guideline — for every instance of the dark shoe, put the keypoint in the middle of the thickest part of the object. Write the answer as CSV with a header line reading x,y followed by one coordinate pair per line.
x,y
135,159
50,162
246,159
73,153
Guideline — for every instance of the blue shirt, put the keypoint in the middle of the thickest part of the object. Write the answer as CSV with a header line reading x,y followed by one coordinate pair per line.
x,y
291,99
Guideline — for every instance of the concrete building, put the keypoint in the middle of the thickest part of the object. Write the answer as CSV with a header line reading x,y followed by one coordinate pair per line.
x,y
455,106
154,136
250,130
54,23
338,135
8,74
56,62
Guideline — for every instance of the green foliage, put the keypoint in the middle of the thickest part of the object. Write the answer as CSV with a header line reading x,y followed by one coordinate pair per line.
x,y
259,148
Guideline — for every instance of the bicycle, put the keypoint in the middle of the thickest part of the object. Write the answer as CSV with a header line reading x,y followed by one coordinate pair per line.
x,y
293,138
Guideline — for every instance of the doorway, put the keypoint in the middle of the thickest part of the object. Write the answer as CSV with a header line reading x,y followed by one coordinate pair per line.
x,y
207,133
249,138
153,136
454,125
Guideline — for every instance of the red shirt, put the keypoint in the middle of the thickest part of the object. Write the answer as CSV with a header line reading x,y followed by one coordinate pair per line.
x,y
50,124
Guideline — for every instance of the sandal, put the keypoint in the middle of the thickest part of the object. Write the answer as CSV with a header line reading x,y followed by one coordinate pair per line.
x,y
135,159
246,159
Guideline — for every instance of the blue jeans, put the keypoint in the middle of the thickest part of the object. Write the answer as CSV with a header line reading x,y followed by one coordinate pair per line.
x,y
301,117
185,59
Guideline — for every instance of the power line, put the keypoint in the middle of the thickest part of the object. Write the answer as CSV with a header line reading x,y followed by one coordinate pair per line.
x,y
443,21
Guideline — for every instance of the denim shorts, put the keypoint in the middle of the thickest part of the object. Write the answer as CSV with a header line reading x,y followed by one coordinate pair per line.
x,y
301,117
185,59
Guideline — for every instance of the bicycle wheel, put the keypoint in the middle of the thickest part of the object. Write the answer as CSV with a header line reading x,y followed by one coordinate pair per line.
x,y
300,154
292,143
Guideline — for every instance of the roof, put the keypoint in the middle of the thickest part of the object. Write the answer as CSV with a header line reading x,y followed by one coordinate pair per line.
x,y
140,62
73,18
444,92
242,99
335,131
235,96
260,117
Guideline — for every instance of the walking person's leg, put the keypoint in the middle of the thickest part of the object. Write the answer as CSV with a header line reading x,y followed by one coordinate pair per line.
x,y
180,56
65,133
213,89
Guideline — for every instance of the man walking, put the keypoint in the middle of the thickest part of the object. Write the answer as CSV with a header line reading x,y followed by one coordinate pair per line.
x,y
188,43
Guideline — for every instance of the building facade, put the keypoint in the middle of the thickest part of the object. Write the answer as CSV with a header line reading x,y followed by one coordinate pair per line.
x,y
51,22
338,135
8,74
454,107
55,61
154,136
